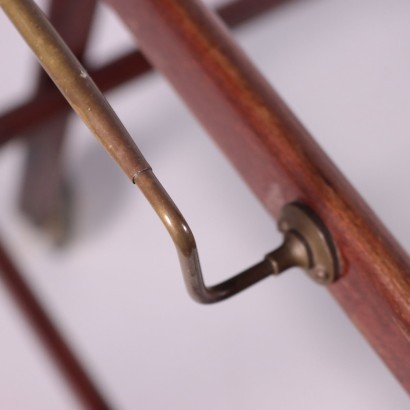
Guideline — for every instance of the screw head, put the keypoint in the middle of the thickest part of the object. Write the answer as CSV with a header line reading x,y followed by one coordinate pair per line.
x,y
283,225
320,275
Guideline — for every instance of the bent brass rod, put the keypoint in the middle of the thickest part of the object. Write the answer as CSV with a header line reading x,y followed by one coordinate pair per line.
x,y
89,103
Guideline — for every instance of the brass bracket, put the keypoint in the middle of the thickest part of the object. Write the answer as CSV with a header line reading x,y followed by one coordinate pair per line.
x,y
323,264
307,242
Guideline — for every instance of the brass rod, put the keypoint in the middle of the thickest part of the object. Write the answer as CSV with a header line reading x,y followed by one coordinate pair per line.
x,y
41,108
75,84
89,103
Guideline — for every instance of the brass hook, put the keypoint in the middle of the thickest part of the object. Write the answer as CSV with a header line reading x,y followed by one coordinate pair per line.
x,y
307,243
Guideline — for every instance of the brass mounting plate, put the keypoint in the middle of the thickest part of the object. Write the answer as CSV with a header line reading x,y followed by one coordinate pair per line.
x,y
324,265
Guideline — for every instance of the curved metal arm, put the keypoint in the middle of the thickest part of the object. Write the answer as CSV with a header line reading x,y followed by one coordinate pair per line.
x,y
291,253
89,103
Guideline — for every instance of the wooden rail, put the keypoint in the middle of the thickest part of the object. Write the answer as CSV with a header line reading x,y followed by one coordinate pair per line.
x,y
280,161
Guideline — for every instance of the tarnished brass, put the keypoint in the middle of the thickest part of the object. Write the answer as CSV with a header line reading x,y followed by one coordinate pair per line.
x,y
307,243
323,263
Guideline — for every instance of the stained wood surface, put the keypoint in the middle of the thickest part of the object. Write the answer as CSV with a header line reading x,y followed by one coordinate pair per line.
x,y
280,161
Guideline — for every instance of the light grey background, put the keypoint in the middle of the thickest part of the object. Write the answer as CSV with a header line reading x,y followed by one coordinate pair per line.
x,y
116,290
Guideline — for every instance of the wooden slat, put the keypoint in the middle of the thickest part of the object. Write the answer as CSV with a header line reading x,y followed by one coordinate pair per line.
x,y
280,161
54,342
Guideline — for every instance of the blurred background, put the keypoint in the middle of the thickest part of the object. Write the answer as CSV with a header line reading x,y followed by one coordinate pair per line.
x,y
115,289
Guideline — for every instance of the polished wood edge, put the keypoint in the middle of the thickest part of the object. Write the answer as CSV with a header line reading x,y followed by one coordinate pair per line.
x,y
279,160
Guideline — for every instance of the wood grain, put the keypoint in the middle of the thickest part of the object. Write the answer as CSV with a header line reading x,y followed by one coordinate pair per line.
x,y
280,161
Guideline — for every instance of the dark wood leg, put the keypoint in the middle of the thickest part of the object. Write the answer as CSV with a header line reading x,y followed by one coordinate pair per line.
x,y
44,195
240,11
71,368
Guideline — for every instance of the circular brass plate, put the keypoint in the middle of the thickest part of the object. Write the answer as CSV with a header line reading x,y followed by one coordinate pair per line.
x,y
301,219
